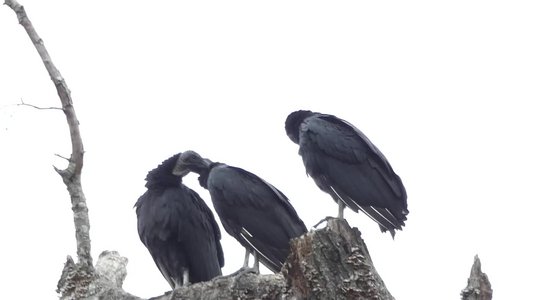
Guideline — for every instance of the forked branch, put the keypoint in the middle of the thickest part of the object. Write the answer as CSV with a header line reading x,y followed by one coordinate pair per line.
x,y
72,174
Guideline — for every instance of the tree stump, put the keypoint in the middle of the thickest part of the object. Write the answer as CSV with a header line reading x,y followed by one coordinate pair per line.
x,y
478,287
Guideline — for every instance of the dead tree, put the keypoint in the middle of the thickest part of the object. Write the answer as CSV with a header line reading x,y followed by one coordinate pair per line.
x,y
330,263
82,270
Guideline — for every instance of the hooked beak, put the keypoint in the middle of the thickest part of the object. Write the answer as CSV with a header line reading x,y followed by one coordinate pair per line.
x,y
180,170
190,161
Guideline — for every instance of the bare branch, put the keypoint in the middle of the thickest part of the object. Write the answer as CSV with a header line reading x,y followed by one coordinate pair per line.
x,y
61,156
22,103
72,174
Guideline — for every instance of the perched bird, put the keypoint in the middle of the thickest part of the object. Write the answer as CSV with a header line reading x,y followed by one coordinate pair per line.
x,y
178,228
251,210
345,164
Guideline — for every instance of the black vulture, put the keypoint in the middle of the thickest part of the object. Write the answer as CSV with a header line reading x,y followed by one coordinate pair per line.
x,y
178,228
345,164
251,210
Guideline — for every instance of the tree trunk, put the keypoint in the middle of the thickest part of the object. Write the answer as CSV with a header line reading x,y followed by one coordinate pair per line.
x,y
329,263
333,263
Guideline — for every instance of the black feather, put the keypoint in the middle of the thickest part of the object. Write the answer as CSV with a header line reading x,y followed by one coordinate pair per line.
x,y
178,228
345,164
255,213
251,210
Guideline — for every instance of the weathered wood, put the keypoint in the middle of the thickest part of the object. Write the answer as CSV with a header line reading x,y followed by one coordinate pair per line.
x,y
249,286
72,174
329,263
333,263
478,287
102,282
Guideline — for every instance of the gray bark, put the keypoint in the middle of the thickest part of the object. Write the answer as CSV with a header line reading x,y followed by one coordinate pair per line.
x,y
72,174
478,287
329,263
103,282
333,263
249,286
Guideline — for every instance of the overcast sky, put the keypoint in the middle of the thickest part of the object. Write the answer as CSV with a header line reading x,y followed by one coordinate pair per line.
x,y
443,89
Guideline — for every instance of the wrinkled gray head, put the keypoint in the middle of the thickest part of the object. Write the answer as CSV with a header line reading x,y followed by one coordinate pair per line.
x,y
190,161
293,122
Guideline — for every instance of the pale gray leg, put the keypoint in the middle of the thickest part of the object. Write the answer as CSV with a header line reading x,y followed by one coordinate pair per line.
x,y
341,209
255,268
186,277
246,269
246,259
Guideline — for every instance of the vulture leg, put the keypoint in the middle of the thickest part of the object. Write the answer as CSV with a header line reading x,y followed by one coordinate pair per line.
x,y
255,268
341,209
246,269
246,259
184,283
185,277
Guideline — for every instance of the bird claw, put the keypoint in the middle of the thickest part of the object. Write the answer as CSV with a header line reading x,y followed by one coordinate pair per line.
x,y
244,271
323,220
239,273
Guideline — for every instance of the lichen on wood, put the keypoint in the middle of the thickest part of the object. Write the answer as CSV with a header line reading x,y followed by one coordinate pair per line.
x,y
333,263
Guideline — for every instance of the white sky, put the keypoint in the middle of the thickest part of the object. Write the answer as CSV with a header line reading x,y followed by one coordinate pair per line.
x,y
443,89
